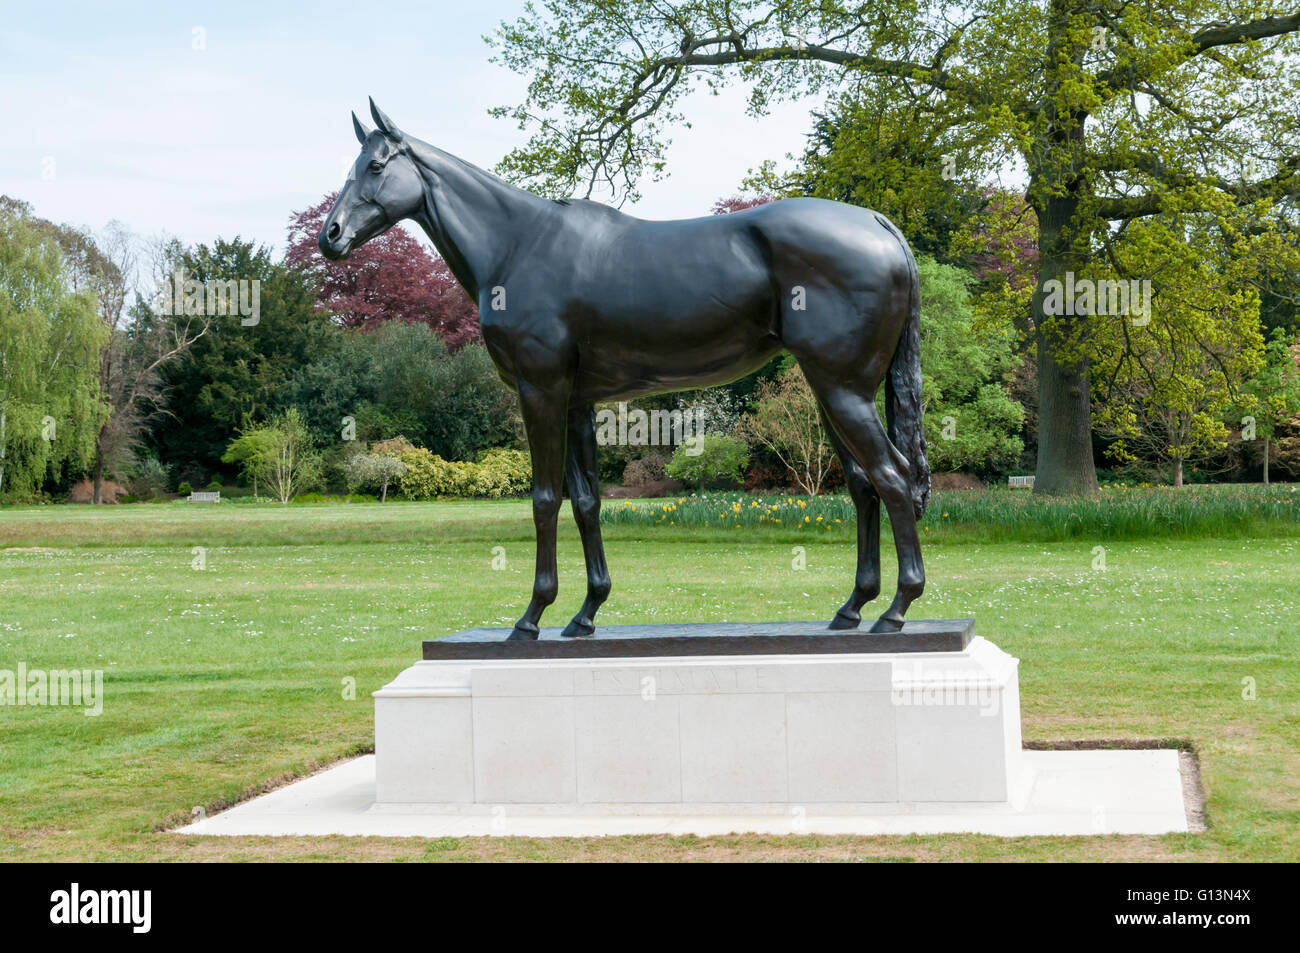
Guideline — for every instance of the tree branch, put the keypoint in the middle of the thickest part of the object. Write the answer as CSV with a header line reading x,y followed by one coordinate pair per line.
x,y
1213,36
1284,184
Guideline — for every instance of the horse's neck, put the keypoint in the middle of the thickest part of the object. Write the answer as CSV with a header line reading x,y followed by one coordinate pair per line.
x,y
474,218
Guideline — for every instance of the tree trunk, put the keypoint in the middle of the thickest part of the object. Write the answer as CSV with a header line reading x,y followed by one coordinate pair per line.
x,y
1065,465
1266,461
1178,471
383,496
98,475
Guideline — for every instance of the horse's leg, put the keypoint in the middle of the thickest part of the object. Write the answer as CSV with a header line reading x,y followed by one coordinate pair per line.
x,y
544,412
584,495
866,584
854,418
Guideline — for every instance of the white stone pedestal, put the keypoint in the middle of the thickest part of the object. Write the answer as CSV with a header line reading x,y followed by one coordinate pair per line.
x,y
816,733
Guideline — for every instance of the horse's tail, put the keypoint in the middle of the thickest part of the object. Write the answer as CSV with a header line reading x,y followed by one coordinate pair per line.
x,y
903,391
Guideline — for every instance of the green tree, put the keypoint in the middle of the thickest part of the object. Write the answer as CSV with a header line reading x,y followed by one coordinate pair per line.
x,y
280,453
337,384
1167,375
877,151
401,379
720,461
1272,396
50,342
971,423
251,451
373,470
1118,112
234,372
456,402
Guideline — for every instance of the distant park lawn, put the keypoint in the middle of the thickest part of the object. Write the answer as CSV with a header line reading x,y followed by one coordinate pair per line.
x,y
225,679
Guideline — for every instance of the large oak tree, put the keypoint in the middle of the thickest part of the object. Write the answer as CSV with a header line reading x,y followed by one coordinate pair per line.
x,y
1117,110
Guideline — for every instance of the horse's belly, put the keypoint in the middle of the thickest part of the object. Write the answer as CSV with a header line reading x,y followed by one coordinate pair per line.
x,y
671,306
610,372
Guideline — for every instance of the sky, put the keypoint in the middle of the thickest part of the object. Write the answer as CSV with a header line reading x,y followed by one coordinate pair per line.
x,y
205,120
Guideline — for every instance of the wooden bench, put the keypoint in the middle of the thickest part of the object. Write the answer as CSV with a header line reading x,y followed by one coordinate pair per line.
x,y
205,497
1020,481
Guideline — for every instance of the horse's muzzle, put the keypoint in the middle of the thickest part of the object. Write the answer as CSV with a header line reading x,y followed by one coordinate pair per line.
x,y
332,243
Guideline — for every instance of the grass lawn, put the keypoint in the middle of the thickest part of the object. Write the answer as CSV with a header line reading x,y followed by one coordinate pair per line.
x,y
224,679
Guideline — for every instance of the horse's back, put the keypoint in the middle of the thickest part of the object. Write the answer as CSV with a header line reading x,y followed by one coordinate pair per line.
x,y
666,305
844,243
800,240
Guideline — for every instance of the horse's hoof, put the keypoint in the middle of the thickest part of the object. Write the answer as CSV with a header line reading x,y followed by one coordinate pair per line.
x,y
578,629
886,624
845,619
523,632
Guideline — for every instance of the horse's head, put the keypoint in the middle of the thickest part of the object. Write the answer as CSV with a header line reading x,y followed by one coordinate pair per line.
x,y
383,188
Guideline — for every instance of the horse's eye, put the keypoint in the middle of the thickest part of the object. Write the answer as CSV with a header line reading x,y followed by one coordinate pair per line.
x,y
376,166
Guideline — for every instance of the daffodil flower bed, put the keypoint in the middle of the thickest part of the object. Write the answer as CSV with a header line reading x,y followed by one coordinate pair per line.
x,y
734,511
1117,513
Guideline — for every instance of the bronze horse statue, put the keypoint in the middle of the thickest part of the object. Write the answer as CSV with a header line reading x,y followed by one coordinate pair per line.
x,y
580,303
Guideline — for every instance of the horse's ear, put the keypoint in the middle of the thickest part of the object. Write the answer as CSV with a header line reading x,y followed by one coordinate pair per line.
x,y
359,127
386,125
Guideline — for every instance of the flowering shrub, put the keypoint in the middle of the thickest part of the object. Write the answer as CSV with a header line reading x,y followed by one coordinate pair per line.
x,y
498,473
505,473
